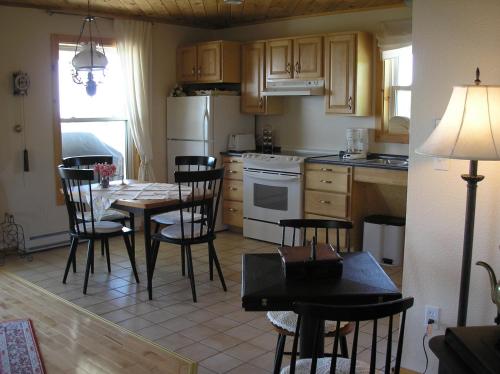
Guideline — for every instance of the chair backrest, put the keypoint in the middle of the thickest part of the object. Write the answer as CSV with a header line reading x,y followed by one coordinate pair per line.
x,y
87,162
356,314
195,163
77,185
205,189
318,228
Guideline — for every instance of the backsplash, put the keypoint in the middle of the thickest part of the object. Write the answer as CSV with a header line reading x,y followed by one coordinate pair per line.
x,y
304,125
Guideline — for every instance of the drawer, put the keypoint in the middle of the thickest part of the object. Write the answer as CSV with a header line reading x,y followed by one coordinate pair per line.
x,y
233,190
332,233
232,160
233,171
326,204
327,181
232,213
381,176
332,168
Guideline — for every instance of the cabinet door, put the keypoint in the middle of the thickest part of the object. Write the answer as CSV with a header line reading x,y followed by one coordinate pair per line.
x,y
209,64
186,64
340,62
308,57
252,78
279,59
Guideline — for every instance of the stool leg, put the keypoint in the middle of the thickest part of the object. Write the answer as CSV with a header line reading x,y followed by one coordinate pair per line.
x,y
278,358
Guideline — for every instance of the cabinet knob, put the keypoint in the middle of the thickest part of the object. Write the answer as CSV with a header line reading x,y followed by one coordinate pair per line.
x,y
289,68
297,67
324,201
326,169
325,181
233,189
199,70
261,102
193,71
349,103
232,210
232,171
234,161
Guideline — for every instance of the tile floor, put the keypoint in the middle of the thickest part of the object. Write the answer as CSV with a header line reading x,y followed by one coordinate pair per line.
x,y
216,332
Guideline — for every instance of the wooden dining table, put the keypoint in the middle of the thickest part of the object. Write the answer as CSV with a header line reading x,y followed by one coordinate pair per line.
x,y
265,288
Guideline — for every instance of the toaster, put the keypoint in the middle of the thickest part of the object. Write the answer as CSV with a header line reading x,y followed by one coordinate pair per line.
x,y
241,142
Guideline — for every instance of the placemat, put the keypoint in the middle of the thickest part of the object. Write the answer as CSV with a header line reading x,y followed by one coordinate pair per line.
x,y
18,348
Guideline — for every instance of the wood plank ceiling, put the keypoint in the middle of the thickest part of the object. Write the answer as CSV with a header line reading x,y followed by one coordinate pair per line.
x,y
207,13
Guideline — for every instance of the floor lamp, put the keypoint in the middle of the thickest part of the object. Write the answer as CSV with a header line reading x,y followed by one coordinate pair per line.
x,y
469,130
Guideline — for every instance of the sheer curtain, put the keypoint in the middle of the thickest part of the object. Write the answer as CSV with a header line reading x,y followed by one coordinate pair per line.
x,y
134,45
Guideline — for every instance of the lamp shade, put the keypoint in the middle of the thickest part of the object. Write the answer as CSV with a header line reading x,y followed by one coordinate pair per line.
x,y
470,127
89,58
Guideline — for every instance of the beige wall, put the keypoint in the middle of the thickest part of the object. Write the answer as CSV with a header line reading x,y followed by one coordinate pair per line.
x,y
305,124
450,38
25,45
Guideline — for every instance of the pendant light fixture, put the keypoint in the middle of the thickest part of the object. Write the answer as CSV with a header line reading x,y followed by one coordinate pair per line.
x,y
89,56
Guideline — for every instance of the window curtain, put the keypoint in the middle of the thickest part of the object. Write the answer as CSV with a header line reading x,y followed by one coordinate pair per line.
x,y
134,42
394,34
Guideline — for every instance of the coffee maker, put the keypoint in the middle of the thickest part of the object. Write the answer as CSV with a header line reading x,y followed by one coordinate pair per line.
x,y
356,143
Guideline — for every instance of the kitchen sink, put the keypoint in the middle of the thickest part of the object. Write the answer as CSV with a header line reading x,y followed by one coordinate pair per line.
x,y
387,161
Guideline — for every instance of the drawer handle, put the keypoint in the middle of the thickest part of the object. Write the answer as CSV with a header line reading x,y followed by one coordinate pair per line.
x,y
234,161
233,189
326,169
232,210
349,103
324,201
325,181
232,171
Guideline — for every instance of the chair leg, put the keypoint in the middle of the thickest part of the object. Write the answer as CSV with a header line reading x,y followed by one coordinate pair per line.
x,y
74,259
102,247
211,248
132,227
71,257
90,259
108,260
210,264
344,351
278,358
190,271
183,260
155,246
131,256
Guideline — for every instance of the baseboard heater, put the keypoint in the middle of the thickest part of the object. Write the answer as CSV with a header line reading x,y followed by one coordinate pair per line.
x,y
47,241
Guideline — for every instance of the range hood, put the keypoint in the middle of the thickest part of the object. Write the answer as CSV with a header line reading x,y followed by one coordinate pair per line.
x,y
295,87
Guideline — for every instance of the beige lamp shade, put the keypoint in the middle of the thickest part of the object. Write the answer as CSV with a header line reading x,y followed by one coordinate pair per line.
x,y
470,127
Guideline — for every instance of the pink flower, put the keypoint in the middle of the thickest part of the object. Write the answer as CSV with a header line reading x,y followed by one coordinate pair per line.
x,y
105,170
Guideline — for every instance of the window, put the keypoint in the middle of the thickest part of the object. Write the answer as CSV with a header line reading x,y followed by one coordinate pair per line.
x,y
397,81
91,125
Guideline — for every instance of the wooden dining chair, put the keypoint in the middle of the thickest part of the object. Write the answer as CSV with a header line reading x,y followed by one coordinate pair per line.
x,y
88,162
184,163
355,314
77,185
284,322
203,198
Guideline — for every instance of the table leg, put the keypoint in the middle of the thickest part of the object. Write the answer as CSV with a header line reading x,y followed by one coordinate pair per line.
x,y
147,249
307,328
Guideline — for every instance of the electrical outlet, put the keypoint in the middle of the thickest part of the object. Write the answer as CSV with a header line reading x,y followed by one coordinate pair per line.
x,y
432,312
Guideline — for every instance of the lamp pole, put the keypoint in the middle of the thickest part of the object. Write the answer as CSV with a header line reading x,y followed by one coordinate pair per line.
x,y
472,180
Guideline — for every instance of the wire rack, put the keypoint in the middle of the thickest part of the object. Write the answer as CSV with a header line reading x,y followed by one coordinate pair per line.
x,y
12,239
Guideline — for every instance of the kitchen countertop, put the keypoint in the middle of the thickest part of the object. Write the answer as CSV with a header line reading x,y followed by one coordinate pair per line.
x,y
336,160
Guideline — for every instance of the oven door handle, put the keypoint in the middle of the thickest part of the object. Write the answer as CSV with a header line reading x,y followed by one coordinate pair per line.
x,y
272,177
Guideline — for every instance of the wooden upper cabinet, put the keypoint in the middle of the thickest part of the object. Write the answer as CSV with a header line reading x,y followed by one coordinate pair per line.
x,y
279,59
348,73
253,80
308,57
209,62
253,76
186,64
213,62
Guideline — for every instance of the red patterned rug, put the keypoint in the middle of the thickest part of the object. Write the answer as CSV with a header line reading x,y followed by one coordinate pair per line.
x,y
18,348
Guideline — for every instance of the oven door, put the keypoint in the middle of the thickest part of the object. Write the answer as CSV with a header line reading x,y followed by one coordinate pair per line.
x,y
271,196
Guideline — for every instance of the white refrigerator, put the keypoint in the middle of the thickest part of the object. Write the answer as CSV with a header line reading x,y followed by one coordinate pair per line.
x,y
201,125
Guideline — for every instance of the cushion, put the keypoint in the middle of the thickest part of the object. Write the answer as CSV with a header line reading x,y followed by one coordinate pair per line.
x,y
174,231
171,218
101,227
323,366
288,321
108,215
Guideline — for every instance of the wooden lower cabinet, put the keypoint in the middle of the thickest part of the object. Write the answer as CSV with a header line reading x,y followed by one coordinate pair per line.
x,y
326,204
332,234
232,205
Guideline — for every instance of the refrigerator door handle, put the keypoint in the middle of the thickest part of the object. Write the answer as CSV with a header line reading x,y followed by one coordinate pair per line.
x,y
206,115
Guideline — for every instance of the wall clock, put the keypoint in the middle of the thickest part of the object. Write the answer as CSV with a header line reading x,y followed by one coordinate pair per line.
x,y
21,83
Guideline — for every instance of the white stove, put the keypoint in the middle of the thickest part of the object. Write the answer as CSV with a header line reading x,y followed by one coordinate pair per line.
x,y
273,190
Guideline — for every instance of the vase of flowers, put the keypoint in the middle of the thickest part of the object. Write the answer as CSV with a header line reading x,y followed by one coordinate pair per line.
x,y
105,171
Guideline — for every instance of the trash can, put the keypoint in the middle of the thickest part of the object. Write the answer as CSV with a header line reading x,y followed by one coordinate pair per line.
x,y
383,237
